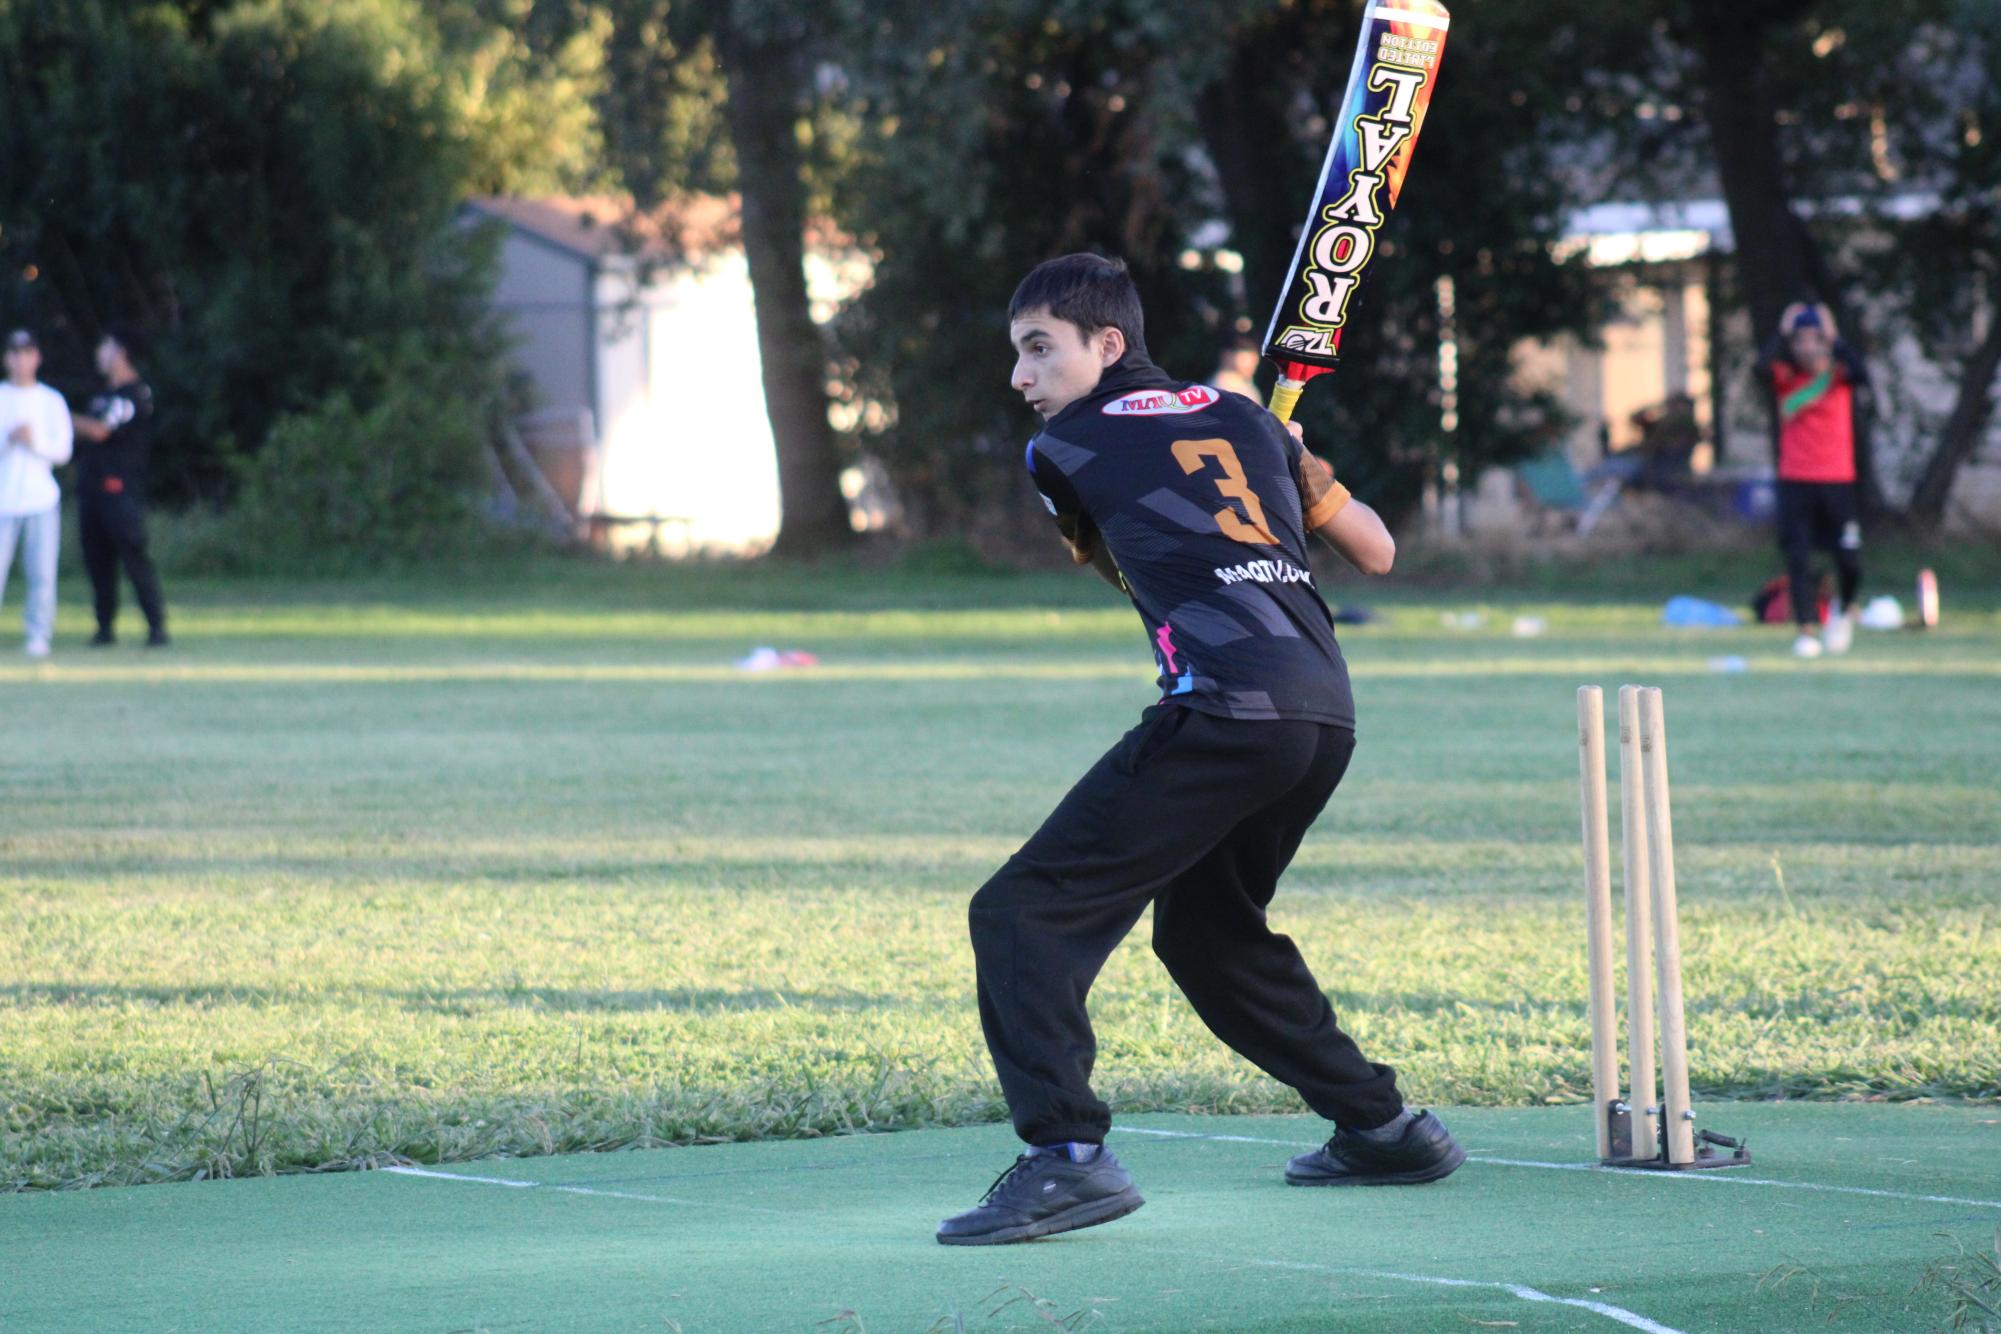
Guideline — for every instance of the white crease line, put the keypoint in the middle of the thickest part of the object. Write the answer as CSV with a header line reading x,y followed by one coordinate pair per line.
x,y
1521,1290
1731,1179
460,1176
577,1190
1226,1139
1715,1178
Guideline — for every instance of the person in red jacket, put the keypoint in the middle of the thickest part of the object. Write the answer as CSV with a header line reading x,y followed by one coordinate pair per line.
x,y
1813,375
1813,379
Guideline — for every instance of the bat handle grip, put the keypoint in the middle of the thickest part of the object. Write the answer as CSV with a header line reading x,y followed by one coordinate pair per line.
x,y
1285,397
1292,378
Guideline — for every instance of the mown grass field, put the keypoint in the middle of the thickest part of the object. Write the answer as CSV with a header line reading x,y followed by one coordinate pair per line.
x,y
520,865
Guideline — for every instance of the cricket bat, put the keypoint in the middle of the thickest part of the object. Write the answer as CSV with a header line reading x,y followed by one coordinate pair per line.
x,y
1389,90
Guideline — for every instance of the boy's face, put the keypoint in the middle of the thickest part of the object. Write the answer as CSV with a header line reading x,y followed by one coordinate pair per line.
x,y
108,354
1809,349
1056,362
23,363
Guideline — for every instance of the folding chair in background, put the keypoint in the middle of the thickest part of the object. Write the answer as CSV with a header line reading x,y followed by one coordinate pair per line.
x,y
1551,484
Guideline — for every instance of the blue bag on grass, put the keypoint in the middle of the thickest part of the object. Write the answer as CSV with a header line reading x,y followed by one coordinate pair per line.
x,y
1688,613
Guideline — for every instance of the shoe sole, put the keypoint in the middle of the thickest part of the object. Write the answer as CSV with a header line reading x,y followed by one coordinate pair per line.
x,y
1416,1177
1083,1215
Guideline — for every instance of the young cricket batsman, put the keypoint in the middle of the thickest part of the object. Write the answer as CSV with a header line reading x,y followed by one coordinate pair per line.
x,y
1196,503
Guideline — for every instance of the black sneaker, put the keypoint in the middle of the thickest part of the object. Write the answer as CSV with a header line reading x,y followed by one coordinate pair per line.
x,y
103,639
157,639
1041,1195
1426,1152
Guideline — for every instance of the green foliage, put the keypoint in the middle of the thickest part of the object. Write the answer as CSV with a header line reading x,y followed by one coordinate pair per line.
x,y
1928,119
347,485
524,79
1884,116
991,145
971,171
662,102
268,185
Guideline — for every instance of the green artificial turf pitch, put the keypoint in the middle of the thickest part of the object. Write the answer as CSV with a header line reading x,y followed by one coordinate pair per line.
x,y
1832,1227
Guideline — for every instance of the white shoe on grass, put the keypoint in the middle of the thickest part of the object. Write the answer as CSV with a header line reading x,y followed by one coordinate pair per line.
x,y
38,648
1807,645
1839,635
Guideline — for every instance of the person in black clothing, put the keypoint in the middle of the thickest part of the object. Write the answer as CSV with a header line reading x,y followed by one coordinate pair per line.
x,y
114,440
1195,503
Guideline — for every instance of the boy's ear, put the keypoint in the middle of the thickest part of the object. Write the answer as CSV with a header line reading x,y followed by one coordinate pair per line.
x,y
1114,345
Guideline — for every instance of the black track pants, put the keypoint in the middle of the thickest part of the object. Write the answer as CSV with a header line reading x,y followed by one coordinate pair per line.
x,y
1199,816
1819,515
113,532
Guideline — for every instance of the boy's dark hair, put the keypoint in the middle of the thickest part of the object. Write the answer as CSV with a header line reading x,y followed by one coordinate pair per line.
x,y
1090,291
130,337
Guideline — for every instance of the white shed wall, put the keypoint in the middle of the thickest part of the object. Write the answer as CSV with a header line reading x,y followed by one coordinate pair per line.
x,y
685,432
541,293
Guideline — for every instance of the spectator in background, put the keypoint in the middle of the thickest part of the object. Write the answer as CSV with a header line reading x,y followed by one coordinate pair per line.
x,y
111,487
1669,434
34,438
1813,375
1237,369
1662,458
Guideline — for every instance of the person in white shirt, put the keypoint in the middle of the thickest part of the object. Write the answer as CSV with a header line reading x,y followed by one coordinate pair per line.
x,y
35,437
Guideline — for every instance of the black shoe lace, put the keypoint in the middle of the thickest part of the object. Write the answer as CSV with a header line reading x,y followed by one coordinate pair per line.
x,y
1002,1179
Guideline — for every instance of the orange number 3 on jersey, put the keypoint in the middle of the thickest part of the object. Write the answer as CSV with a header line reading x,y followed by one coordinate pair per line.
x,y
1233,485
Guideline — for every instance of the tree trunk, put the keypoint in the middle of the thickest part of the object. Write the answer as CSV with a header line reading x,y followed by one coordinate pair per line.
x,y
1772,244
765,77
1964,429
1778,261
1248,136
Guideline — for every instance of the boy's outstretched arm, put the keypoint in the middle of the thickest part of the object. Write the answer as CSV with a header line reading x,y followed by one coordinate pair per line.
x,y
1343,522
1359,534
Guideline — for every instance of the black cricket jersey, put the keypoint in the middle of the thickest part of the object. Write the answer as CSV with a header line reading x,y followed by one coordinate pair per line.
x,y
117,463
1195,492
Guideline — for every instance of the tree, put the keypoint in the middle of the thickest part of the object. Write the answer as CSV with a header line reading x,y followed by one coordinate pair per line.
x,y
1824,122
993,138
1474,232
660,106
269,187
1778,259
1934,107
715,96
765,59
524,80
1183,140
